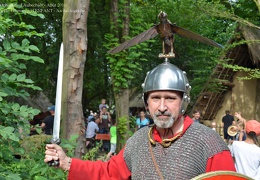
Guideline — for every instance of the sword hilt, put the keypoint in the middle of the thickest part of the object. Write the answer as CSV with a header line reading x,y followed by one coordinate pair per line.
x,y
54,162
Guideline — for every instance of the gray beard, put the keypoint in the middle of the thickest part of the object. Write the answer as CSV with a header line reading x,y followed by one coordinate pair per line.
x,y
163,122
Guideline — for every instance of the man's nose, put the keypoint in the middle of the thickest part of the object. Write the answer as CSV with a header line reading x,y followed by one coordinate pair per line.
x,y
162,106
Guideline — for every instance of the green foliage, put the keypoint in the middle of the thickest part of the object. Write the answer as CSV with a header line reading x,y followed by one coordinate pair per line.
x,y
123,131
97,83
21,156
31,165
132,123
224,18
48,41
7,133
125,66
13,54
244,12
24,159
252,73
93,154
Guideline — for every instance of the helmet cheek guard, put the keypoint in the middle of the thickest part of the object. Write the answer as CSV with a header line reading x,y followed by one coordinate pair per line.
x,y
167,76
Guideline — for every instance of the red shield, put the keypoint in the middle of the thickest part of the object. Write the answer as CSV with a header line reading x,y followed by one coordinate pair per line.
x,y
222,175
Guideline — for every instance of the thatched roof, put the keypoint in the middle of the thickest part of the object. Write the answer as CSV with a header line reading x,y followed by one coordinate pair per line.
x,y
253,35
40,101
220,82
136,101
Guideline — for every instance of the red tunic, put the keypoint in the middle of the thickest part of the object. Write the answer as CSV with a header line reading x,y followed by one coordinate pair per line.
x,y
116,167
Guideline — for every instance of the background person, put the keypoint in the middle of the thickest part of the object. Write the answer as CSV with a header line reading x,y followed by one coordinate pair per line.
x,y
142,120
104,125
246,153
213,126
91,115
91,131
105,120
237,132
47,124
113,140
168,150
227,121
103,104
241,134
196,116
240,118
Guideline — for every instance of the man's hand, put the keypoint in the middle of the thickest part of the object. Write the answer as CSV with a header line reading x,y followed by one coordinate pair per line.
x,y
56,153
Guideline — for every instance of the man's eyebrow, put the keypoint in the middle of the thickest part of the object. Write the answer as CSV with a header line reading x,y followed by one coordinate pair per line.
x,y
153,95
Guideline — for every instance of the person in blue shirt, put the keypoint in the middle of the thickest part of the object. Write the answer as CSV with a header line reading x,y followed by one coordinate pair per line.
x,y
142,120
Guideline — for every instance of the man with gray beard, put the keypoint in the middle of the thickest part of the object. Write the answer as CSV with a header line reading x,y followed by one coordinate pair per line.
x,y
174,147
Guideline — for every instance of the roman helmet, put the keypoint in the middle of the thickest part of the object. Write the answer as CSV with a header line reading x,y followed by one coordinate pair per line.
x,y
167,76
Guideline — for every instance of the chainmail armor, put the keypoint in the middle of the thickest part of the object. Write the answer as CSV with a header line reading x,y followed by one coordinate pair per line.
x,y
184,159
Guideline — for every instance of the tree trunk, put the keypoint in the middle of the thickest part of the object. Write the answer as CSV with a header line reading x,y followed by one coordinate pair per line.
x,y
122,110
126,20
75,48
114,17
121,95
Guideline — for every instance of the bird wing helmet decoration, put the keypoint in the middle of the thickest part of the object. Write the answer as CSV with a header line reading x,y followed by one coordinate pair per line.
x,y
166,31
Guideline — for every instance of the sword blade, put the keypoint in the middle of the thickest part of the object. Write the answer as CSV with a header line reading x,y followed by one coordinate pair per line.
x,y
56,124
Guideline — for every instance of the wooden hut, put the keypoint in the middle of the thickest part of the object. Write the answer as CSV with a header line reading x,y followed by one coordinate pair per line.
x,y
224,91
136,103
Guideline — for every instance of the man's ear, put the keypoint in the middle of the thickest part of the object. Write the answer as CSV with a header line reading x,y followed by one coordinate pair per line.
x,y
147,110
146,105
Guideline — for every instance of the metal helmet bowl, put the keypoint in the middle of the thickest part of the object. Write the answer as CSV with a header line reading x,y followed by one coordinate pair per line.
x,y
167,76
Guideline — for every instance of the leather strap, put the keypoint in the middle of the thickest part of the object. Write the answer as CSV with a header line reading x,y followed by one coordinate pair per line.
x,y
154,162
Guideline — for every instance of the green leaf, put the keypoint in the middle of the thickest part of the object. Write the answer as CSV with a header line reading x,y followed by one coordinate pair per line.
x,y
15,45
12,77
37,59
16,107
23,108
34,48
21,77
25,43
6,45
28,81
3,94
13,177
8,129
